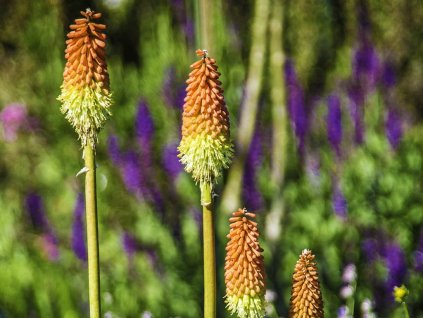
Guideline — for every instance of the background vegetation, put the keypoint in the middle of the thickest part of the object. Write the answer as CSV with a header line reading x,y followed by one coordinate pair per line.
x,y
351,200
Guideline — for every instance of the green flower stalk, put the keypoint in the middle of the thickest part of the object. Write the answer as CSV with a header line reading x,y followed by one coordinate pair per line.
x,y
206,150
244,268
86,100
85,95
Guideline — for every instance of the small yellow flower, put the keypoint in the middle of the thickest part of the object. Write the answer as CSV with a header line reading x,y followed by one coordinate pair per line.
x,y
205,148
85,95
400,293
244,268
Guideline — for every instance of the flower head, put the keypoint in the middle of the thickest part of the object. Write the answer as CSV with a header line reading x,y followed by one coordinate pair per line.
x,y
306,298
85,95
244,267
393,128
205,148
400,293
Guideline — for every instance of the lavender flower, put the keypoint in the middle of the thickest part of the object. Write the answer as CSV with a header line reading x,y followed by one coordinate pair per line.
x,y
334,123
34,206
388,78
252,197
396,264
366,66
170,160
50,246
350,274
367,308
313,169
343,312
132,175
130,244
356,105
144,125
339,203
346,291
393,128
418,254
114,150
296,105
78,231
13,118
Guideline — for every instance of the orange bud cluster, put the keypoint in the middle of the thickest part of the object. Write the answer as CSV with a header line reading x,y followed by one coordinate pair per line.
x,y
306,298
85,53
204,109
244,267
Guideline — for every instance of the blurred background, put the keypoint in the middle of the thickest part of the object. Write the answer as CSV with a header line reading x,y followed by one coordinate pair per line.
x,y
325,99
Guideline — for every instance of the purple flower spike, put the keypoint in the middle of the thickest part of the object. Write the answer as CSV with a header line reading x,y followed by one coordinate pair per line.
x,y
130,244
13,118
388,75
334,123
132,176
34,206
396,264
339,203
252,197
418,254
144,125
366,66
296,105
114,150
49,244
170,160
168,86
356,97
78,231
393,128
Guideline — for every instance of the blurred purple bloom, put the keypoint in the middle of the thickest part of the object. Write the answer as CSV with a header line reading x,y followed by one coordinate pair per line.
x,y
181,14
144,125
170,160
343,312
396,264
346,291
366,66
388,75
130,244
78,230
252,197
312,169
50,246
132,175
393,128
334,123
296,105
350,274
34,206
13,117
339,202
393,256
114,150
173,91
356,105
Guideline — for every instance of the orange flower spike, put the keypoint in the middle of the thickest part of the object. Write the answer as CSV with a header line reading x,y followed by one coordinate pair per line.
x,y
205,148
244,267
306,298
85,95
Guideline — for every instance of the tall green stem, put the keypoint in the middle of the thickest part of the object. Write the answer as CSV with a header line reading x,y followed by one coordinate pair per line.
x,y
405,308
232,193
92,233
209,253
